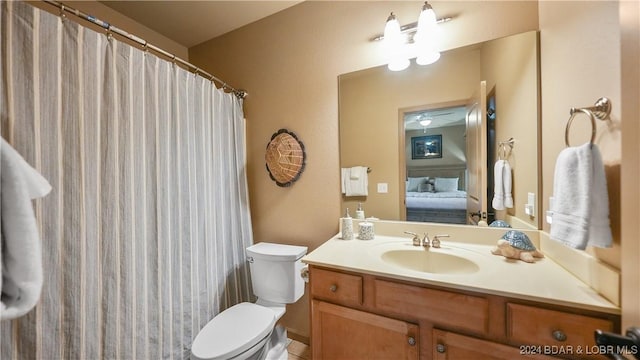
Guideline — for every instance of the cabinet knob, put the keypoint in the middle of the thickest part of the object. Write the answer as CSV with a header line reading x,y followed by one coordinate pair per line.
x,y
412,341
559,335
441,348
333,287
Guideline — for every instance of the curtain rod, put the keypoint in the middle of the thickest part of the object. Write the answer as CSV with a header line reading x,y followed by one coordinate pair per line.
x,y
145,45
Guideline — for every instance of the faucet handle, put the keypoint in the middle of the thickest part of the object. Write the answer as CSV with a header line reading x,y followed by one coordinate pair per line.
x,y
436,240
426,240
416,238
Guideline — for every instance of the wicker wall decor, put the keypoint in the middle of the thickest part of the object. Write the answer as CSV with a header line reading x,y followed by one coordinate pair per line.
x,y
285,158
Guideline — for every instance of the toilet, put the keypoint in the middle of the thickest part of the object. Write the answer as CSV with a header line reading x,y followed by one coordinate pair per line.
x,y
248,330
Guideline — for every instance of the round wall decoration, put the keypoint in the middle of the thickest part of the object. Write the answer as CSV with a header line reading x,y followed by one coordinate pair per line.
x,y
285,157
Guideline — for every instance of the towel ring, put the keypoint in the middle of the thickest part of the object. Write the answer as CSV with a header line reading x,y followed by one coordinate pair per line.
x,y
502,149
502,152
593,125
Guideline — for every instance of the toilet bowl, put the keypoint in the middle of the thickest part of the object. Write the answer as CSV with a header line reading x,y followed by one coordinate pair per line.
x,y
247,330
240,332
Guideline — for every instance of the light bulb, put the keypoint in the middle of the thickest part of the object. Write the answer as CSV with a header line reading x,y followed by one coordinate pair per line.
x,y
427,58
398,64
391,29
394,45
427,36
427,18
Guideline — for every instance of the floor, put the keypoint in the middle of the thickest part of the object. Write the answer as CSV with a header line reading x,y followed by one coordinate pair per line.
x,y
299,351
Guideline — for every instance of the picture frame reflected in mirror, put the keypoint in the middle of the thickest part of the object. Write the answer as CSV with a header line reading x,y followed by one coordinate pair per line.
x,y
426,147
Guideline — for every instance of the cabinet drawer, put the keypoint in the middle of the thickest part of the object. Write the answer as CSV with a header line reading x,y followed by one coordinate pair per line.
x,y
441,307
337,287
531,325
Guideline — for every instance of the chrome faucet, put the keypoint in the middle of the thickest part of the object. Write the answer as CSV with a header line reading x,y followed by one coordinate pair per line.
x,y
416,238
436,240
425,240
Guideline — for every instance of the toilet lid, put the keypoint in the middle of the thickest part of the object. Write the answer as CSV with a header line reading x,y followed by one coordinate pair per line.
x,y
233,331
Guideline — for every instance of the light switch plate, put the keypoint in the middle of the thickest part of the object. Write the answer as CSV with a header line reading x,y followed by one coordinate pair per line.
x,y
383,188
531,198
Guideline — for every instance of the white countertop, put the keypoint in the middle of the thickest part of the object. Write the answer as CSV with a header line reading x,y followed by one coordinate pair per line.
x,y
542,281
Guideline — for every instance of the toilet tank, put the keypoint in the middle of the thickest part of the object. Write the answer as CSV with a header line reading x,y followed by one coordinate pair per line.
x,y
276,271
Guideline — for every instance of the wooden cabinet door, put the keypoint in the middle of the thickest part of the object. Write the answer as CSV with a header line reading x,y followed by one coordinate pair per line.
x,y
452,346
339,332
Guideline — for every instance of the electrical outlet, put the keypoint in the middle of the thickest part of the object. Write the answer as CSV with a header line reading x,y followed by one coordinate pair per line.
x,y
549,214
530,207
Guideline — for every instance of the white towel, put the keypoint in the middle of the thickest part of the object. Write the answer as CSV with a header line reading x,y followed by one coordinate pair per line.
x,y
506,183
502,197
356,171
355,187
344,175
20,254
581,201
498,189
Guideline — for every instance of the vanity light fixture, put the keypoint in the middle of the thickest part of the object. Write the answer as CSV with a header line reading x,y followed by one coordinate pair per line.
x,y
423,35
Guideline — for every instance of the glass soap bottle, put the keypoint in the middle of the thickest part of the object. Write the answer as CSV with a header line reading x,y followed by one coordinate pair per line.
x,y
360,212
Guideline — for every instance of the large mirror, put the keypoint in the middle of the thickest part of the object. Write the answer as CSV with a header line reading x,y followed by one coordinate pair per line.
x,y
437,131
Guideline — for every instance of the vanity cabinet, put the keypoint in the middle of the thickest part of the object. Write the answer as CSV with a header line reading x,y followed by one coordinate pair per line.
x,y
362,316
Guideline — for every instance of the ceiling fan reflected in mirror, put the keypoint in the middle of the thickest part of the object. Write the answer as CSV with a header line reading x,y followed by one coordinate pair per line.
x,y
434,118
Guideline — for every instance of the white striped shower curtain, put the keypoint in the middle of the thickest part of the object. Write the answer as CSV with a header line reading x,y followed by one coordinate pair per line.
x,y
143,235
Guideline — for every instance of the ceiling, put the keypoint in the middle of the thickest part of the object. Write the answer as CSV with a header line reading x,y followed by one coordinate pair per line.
x,y
439,118
192,22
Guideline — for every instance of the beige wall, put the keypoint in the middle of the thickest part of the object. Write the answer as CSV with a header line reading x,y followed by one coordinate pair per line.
x,y
575,73
630,170
510,66
370,121
595,55
289,64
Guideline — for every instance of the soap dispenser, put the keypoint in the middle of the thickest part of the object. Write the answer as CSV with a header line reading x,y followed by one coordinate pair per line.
x,y
360,212
346,226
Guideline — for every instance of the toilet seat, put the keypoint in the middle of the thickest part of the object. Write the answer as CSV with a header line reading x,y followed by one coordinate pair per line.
x,y
233,331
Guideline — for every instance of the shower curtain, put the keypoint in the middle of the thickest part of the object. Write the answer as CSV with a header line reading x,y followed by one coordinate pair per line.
x,y
143,235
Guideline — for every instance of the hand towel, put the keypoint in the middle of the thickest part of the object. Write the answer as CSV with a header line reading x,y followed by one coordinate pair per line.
x,y
506,184
20,254
599,224
502,197
498,189
357,187
355,172
344,175
581,205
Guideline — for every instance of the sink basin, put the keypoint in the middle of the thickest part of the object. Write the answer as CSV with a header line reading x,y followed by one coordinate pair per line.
x,y
429,261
